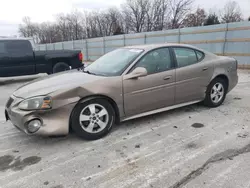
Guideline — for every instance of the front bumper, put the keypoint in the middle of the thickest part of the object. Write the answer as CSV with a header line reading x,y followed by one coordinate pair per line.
x,y
54,122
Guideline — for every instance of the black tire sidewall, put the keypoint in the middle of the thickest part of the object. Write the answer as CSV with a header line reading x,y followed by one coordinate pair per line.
x,y
59,66
75,124
208,101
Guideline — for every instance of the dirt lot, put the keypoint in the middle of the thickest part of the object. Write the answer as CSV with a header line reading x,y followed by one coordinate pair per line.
x,y
189,147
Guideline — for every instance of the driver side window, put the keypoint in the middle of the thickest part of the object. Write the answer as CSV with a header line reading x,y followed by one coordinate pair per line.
x,y
155,61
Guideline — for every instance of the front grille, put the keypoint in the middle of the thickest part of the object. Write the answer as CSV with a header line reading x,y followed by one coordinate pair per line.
x,y
9,102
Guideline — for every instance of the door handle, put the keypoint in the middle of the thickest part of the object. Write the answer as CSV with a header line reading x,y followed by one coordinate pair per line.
x,y
167,77
205,68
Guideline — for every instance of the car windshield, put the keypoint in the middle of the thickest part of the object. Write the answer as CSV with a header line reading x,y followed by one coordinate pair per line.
x,y
113,63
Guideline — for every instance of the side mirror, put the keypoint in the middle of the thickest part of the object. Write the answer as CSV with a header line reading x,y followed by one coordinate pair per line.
x,y
136,73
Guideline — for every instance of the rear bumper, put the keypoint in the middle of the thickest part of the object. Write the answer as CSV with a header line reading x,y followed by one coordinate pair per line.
x,y
233,82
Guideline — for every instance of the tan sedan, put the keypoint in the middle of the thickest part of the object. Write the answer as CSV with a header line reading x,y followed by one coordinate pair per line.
x,y
126,83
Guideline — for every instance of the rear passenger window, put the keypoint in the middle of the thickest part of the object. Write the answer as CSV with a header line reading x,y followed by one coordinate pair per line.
x,y
200,55
19,47
185,56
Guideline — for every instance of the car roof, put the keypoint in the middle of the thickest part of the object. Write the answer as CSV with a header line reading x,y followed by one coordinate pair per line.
x,y
3,38
153,46
148,47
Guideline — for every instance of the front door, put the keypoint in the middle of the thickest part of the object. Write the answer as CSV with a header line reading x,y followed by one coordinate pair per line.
x,y
154,91
193,74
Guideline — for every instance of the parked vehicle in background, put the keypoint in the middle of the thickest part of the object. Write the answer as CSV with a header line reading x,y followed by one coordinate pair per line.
x,y
126,83
18,58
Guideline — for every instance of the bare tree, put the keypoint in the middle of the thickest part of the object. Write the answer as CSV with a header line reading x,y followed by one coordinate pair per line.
x,y
67,27
105,21
75,27
197,18
93,25
135,12
231,12
48,33
118,31
134,16
179,10
115,18
63,26
157,15
27,29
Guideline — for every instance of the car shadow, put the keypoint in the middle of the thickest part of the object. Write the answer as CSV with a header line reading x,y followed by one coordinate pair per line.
x,y
198,107
51,141
162,115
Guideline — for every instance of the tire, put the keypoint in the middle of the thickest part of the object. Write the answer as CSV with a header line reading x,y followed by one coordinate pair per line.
x,y
216,93
60,67
102,119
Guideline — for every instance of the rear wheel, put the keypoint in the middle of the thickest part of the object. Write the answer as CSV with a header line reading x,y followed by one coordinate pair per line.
x,y
93,119
60,67
216,93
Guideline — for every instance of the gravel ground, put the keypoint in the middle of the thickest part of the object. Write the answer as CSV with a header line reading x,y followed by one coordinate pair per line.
x,y
189,147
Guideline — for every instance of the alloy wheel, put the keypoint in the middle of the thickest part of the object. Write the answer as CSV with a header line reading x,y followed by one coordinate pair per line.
x,y
217,93
94,118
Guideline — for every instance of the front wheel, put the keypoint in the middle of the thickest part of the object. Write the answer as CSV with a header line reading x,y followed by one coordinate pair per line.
x,y
216,93
93,119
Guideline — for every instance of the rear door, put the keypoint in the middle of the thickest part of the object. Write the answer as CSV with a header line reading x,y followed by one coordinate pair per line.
x,y
154,91
193,74
21,61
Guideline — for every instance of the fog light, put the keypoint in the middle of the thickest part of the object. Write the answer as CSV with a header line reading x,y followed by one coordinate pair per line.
x,y
34,125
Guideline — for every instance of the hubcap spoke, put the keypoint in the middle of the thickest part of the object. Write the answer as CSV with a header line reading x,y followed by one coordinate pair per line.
x,y
92,108
84,117
213,95
219,87
214,88
103,112
101,124
216,98
90,127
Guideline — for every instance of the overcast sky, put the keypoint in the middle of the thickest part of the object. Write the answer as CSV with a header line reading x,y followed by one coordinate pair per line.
x,y
12,11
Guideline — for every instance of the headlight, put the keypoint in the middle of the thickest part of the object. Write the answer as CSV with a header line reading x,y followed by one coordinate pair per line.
x,y
36,103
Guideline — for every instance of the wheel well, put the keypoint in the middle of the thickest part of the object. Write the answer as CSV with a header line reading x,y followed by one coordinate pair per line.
x,y
224,77
58,60
110,100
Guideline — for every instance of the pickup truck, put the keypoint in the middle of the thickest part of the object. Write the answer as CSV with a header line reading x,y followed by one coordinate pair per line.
x,y
18,58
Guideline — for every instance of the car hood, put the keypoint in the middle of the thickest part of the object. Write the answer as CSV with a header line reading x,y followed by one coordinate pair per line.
x,y
55,82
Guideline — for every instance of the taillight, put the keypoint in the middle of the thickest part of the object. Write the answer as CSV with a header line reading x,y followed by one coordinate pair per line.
x,y
80,56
